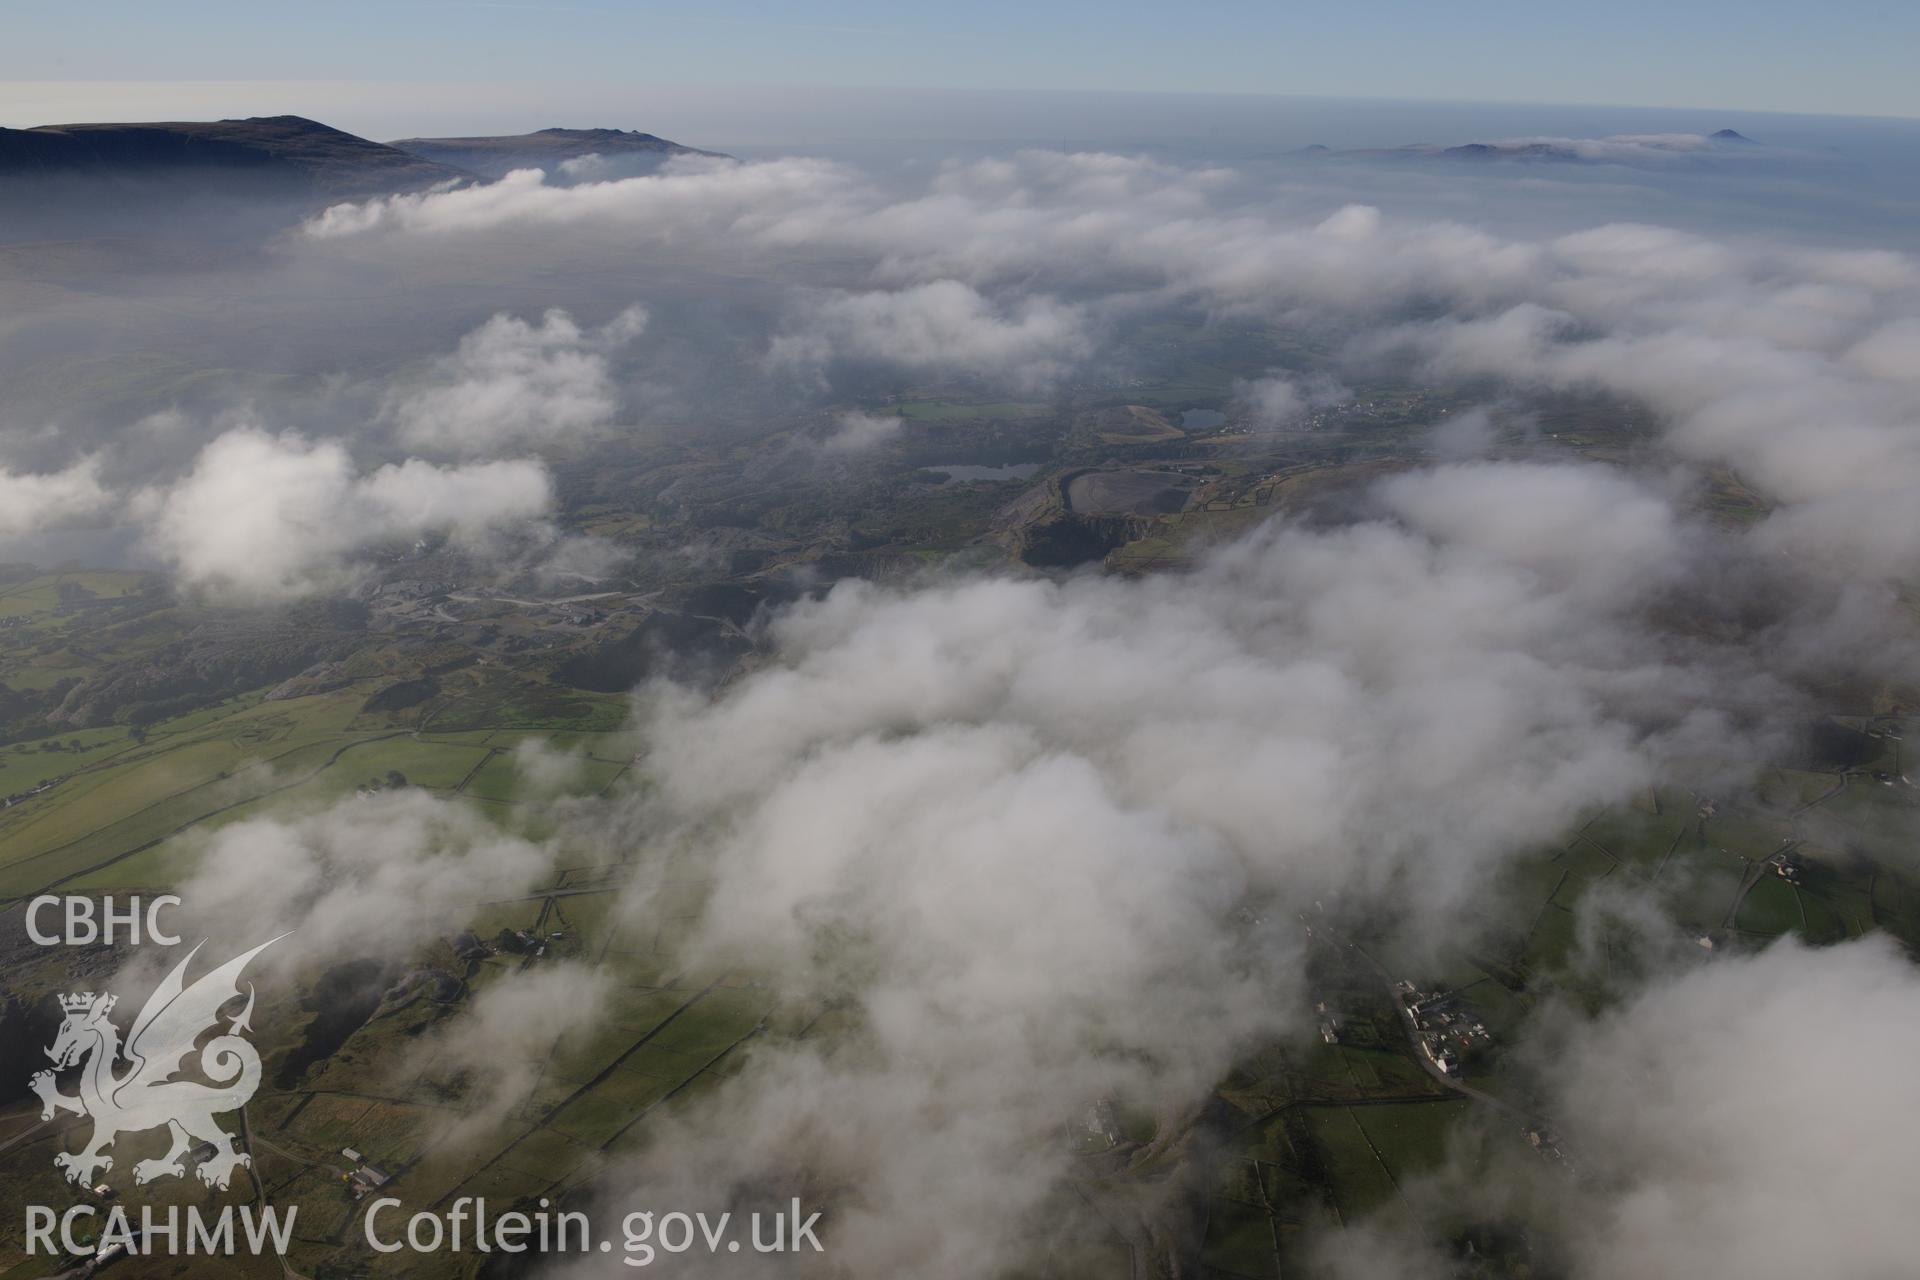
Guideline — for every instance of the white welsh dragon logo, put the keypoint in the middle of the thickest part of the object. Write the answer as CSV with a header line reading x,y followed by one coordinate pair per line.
x,y
148,1096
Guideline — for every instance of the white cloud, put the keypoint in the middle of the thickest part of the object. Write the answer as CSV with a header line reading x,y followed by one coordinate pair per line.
x,y
271,516
1753,1119
690,196
858,432
497,1046
1647,149
371,875
943,324
34,501
1278,400
512,382
1586,531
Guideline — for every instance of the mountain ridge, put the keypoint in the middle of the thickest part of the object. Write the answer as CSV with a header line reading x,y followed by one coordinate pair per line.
x,y
1605,150
282,153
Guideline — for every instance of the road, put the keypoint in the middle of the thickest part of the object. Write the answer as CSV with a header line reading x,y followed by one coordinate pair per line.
x,y
260,1188
1756,868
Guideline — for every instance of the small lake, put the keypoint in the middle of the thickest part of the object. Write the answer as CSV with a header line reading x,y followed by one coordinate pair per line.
x,y
1006,471
1203,420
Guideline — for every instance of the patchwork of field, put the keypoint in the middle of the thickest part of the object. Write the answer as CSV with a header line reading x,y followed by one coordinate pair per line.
x,y
45,592
967,411
128,808
125,809
1307,1134
523,1128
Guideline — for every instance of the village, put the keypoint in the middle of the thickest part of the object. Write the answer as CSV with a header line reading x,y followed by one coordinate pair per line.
x,y
1449,1033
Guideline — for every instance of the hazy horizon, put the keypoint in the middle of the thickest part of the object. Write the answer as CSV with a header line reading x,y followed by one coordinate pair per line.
x,y
1850,57
773,116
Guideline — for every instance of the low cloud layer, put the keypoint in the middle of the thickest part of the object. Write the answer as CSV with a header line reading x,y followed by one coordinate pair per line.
x,y
1788,364
1050,838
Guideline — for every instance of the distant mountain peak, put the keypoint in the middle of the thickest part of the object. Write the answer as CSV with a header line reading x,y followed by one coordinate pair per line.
x,y
289,121
1728,135
494,156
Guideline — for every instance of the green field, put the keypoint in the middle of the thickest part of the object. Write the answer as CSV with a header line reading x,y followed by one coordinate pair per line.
x,y
127,812
43,594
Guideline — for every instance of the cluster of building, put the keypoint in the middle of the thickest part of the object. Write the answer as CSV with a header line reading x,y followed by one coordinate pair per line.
x,y
1783,865
1449,1032
526,942
1888,731
365,1178
1102,1121
1329,1022
20,797
1546,1142
578,615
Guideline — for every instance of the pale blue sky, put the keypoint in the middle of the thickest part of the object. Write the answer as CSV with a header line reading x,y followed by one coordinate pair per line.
x,y
1850,57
